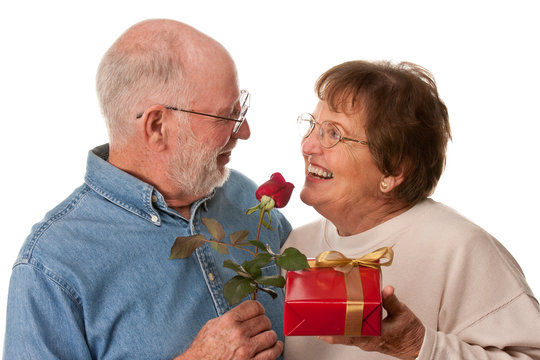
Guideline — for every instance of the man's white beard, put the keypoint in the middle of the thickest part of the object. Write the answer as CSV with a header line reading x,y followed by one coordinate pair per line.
x,y
194,167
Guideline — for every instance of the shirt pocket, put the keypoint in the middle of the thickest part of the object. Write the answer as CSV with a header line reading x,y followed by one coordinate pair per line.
x,y
272,270
269,270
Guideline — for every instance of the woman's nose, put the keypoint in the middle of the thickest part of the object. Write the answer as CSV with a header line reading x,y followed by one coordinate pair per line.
x,y
310,144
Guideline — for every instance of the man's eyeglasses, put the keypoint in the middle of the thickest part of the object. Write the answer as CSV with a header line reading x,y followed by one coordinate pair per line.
x,y
245,98
329,135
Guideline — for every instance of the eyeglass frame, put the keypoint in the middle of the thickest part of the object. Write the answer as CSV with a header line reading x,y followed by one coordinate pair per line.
x,y
241,117
314,122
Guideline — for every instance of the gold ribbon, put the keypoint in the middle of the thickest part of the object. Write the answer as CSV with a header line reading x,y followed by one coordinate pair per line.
x,y
340,262
353,281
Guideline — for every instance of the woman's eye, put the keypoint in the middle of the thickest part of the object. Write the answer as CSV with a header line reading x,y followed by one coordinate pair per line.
x,y
328,133
332,133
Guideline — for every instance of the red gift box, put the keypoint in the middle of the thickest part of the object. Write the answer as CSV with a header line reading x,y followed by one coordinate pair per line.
x,y
324,301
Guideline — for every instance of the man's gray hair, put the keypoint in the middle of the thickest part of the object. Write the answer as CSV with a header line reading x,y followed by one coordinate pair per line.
x,y
137,73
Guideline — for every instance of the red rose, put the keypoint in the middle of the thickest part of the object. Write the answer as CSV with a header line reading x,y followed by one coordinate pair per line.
x,y
276,188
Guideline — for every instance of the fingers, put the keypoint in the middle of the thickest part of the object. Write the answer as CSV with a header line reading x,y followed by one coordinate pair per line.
x,y
344,340
248,318
264,345
265,341
246,310
390,301
271,353
257,324
252,332
388,291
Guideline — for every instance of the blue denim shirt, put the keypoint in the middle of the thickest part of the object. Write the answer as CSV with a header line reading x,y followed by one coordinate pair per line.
x,y
93,279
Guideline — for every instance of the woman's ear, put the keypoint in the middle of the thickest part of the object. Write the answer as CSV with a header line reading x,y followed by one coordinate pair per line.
x,y
390,182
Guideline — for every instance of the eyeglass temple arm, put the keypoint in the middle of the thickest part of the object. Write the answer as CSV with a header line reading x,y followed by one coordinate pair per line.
x,y
203,114
363,142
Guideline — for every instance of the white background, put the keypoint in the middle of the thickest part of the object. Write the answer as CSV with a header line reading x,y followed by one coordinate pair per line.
x,y
482,53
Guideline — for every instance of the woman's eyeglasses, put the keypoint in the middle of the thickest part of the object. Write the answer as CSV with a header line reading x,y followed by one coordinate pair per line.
x,y
329,135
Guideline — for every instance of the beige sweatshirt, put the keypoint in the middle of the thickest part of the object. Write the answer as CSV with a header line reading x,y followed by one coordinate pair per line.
x,y
466,288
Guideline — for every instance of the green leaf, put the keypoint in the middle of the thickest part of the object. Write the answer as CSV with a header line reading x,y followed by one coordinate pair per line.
x,y
239,236
237,267
219,247
270,292
267,225
254,266
274,280
258,244
184,246
255,272
237,289
292,259
214,228
253,209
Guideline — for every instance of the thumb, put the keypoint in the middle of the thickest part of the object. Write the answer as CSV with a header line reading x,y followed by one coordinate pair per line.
x,y
390,301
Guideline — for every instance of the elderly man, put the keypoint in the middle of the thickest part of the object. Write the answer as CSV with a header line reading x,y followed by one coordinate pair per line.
x,y
93,279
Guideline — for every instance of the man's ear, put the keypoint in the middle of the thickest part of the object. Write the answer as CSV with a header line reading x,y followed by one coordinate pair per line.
x,y
155,128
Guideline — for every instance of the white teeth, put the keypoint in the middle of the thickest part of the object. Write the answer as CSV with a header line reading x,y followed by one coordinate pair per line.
x,y
319,172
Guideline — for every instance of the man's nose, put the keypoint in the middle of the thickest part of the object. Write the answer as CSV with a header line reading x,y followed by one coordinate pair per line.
x,y
243,132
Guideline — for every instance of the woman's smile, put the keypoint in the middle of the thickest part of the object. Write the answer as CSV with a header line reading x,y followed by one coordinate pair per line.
x,y
319,172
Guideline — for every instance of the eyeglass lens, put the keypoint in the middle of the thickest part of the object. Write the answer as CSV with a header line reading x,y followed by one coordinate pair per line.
x,y
244,103
328,134
305,123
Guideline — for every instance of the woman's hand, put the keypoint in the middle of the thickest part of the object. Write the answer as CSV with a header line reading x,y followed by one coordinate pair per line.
x,y
402,332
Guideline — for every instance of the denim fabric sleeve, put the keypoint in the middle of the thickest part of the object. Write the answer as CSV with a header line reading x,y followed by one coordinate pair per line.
x,y
44,320
284,227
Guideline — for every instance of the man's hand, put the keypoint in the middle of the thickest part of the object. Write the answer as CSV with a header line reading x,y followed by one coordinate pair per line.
x,y
242,333
402,332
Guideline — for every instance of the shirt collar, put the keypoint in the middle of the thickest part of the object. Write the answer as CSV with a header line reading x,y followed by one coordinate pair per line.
x,y
126,190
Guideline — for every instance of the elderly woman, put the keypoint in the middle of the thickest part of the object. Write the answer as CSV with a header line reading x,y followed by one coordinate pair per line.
x,y
374,150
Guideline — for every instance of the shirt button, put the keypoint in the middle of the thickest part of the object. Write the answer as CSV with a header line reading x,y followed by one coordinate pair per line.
x,y
211,276
154,218
154,198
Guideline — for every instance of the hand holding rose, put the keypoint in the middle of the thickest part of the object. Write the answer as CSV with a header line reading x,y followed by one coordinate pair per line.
x,y
242,333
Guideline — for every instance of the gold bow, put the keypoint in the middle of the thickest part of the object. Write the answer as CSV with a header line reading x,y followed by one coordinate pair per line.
x,y
340,262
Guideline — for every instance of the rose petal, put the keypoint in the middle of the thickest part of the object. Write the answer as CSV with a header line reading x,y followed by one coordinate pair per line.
x,y
283,196
277,177
270,187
